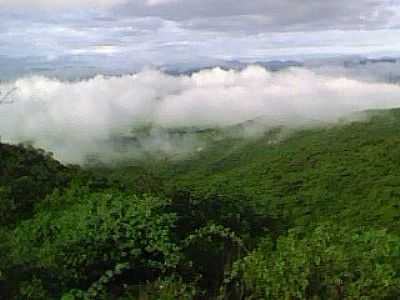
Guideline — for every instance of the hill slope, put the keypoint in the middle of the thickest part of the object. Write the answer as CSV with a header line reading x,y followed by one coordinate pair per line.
x,y
307,214
349,172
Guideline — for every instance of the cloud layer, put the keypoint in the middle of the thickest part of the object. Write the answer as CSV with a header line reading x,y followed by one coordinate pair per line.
x,y
270,15
74,119
231,15
60,4
94,40
157,32
57,4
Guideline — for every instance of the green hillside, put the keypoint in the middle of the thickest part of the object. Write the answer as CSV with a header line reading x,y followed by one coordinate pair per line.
x,y
305,214
347,173
26,176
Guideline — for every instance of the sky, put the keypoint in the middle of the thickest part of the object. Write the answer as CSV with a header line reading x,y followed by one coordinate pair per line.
x,y
128,34
56,58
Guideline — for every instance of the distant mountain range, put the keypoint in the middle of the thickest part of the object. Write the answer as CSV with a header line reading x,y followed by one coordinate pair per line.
x,y
72,69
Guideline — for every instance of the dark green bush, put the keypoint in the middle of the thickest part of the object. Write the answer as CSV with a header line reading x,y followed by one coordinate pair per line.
x,y
90,241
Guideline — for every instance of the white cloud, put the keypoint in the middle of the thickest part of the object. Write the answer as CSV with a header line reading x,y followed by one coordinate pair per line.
x,y
159,2
61,3
76,118
79,3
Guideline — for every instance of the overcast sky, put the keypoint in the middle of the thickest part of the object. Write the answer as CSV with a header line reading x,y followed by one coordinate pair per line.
x,y
156,32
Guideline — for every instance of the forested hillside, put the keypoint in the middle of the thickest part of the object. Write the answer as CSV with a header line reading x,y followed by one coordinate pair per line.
x,y
306,214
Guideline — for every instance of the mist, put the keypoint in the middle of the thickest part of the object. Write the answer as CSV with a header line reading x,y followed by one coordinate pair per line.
x,y
152,112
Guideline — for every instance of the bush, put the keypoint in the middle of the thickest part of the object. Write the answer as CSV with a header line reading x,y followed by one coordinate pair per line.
x,y
329,263
90,241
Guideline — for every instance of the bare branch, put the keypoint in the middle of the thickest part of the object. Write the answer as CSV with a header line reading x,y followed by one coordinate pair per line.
x,y
5,97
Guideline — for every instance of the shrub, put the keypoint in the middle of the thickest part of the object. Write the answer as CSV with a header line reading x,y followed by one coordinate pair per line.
x,y
329,263
90,241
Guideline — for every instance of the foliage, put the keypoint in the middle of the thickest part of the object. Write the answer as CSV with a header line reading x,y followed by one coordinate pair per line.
x,y
28,175
310,214
87,240
169,288
331,262
344,173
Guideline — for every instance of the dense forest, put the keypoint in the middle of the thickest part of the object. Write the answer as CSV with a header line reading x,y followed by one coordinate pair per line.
x,y
309,214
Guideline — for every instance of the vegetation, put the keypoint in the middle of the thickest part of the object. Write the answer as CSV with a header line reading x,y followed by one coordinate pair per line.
x,y
313,215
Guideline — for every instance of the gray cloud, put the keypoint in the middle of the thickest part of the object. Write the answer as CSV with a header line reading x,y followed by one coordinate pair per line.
x,y
59,4
89,36
160,32
232,15
270,15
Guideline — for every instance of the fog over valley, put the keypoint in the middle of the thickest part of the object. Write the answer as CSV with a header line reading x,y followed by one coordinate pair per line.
x,y
78,118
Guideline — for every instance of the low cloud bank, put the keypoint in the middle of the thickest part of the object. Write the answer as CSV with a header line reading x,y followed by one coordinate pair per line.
x,y
145,111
